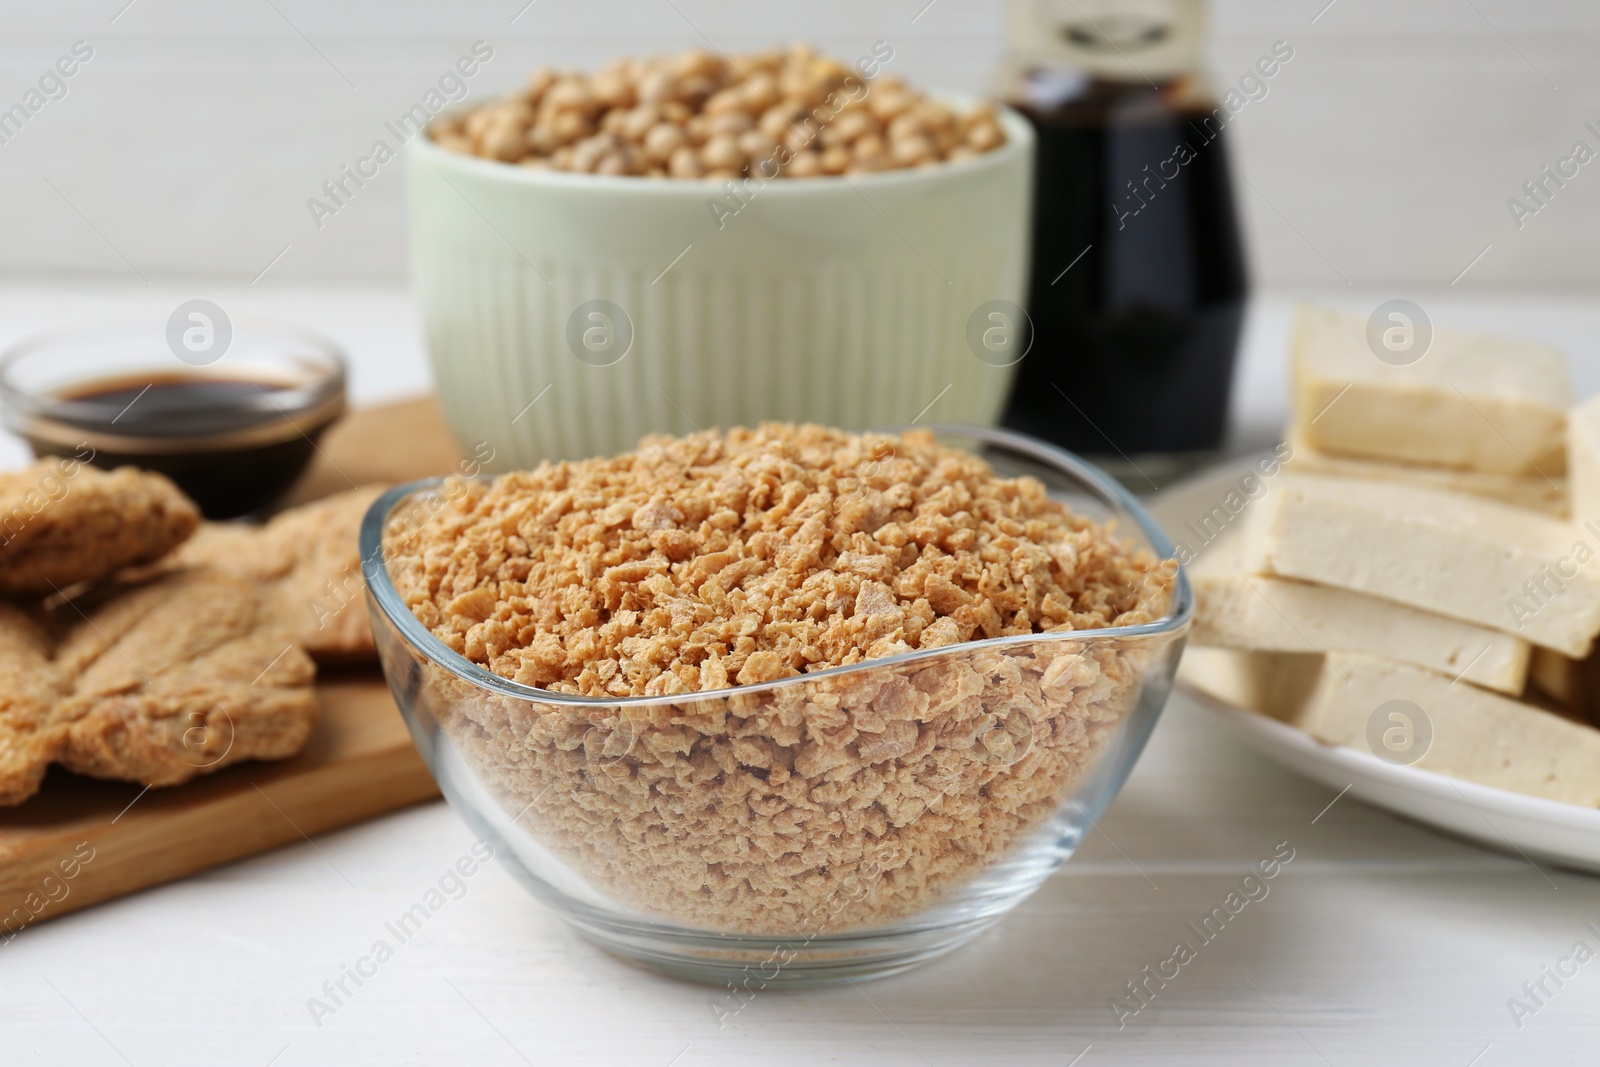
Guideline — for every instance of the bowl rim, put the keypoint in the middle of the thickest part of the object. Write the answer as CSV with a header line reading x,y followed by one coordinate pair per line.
x,y
322,395
382,595
1020,141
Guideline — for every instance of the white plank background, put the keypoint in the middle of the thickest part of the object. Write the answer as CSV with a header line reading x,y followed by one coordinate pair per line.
x,y
1381,943
1383,154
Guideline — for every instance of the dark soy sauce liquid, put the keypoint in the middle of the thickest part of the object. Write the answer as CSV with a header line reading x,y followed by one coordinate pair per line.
x,y
1134,346
232,444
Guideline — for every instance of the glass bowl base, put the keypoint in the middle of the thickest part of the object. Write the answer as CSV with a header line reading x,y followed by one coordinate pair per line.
x,y
746,965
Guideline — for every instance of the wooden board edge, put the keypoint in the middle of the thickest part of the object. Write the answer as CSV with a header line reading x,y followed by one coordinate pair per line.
x,y
230,829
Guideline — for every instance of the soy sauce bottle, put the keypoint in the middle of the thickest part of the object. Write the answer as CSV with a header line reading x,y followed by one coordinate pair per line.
x,y
1138,279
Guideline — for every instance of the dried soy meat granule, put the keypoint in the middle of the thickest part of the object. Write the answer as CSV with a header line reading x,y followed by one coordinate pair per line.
x,y
701,562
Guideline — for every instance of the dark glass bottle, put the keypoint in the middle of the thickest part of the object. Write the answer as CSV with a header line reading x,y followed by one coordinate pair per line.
x,y
1138,280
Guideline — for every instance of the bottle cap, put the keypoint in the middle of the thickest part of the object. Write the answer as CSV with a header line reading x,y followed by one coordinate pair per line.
x,y
1115,40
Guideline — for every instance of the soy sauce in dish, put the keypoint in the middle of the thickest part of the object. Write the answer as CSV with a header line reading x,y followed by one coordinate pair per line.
x,y
234,444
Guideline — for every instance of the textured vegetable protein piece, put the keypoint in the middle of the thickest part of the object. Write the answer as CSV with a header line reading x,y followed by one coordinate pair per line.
x,y
827,804
155,682
32,730
63,522
707,561
180,677
307,565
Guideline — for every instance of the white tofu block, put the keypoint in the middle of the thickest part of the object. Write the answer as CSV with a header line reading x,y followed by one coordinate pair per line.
x,y
1260,612
1471,734
1548,495
1472,402
1476,735
1583,460
1500,567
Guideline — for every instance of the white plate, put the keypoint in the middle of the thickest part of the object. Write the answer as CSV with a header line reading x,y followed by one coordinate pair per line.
x,y
1531,827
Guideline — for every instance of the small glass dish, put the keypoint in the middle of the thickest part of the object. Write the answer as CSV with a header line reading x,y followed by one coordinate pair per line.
x,y
709,836
230,410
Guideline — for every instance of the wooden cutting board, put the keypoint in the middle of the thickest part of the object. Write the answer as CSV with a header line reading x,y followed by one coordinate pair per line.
x,y
82,841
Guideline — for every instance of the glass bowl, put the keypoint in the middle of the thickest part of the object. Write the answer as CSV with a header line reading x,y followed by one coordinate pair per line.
x,y
848,823
229,408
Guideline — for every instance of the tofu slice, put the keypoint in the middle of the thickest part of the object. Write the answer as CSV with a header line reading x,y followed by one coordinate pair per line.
x,y
1548,495
1475,560
1263,613
1477,736
1583,460
1471,402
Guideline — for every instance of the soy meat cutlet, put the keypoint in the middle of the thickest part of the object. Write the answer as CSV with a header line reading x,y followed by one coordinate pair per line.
x,y
179,677
307,563
64,522
32,730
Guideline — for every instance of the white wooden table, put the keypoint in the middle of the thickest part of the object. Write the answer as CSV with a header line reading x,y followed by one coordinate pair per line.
x,y
1379,943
